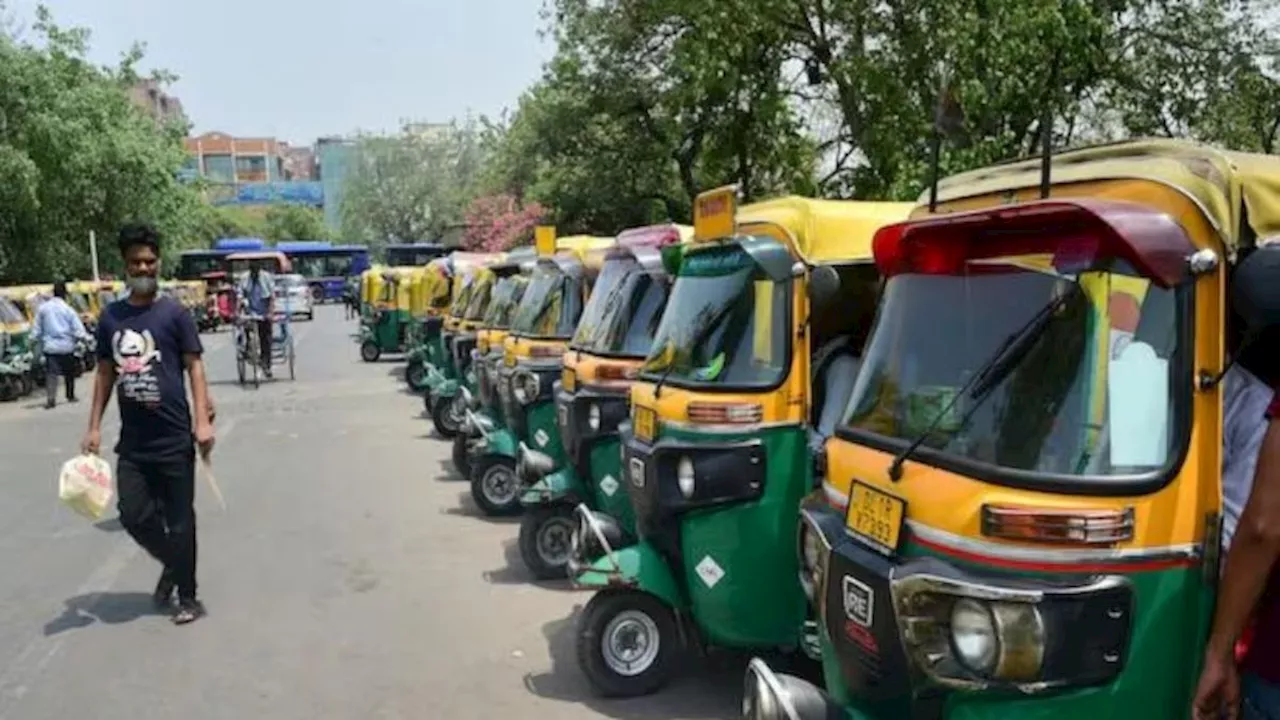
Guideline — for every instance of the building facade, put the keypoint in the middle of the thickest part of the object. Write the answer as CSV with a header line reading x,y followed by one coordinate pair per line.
x,y
151,98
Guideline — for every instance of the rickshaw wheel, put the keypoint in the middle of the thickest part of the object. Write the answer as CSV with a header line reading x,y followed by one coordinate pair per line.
x,y
240,369
495,487
415,374
369,351
445,418
545,538
628,643
461,460
292,375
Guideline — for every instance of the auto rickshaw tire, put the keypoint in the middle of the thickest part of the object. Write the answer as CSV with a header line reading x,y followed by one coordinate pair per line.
x,y
415,375
461,458
440,417
369,351
533,525
240,369
481,472
28,384
601,618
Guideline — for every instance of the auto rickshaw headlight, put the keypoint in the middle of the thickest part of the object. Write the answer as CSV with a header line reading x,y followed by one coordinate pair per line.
x,y
815,553
593,418
973,635
685,478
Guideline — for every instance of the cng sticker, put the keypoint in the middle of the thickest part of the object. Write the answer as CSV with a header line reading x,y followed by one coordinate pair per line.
x,y
709,572
541,437
609,485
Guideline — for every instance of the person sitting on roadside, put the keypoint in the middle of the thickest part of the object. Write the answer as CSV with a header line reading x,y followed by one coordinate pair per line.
x,y
58,329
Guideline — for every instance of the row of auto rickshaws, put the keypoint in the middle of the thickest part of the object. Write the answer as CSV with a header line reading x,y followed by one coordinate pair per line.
x,y
22,366
958,458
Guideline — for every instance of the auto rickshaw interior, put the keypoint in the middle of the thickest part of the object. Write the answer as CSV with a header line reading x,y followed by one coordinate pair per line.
x,y
1026,357
552,302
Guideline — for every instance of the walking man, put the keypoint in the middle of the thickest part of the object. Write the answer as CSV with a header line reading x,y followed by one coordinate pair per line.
x,y
258,291
144,344
58,329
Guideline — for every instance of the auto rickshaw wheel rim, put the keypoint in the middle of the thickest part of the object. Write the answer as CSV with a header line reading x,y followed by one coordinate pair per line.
x,y
556,530
493,481
630,643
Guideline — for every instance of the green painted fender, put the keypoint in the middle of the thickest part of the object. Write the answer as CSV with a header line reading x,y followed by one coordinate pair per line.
x,y
639,566
561,485
443,388
502,442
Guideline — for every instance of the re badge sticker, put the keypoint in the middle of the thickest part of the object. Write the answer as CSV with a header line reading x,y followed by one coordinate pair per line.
x,y
859,601
541,437
608,485
709,572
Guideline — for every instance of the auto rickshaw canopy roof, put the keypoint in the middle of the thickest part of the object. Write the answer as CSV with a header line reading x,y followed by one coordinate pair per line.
x,y
589,250
1229,187
826,231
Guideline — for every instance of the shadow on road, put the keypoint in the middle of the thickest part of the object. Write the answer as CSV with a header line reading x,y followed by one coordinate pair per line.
x,y
466,507
450,474
708,689
110,608
109,525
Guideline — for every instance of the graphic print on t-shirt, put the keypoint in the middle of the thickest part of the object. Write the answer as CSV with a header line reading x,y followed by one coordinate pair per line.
x,y
136,358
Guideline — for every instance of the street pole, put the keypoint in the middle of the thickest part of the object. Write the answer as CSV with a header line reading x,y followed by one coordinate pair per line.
x,y
93,253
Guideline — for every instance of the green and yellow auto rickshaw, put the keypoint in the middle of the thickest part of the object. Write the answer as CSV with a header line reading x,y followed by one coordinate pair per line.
x,y
481,410
544,322
496,292
428,340
17,378
748,367
467,270
605,354
394,315
1023,508
370,292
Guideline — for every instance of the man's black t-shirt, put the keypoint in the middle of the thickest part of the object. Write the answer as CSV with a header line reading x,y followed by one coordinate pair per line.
x,y
146,344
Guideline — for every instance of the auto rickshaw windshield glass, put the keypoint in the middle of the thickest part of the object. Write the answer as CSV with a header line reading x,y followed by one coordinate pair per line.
x,y
459,305
725,324
550,307
605,296
1094,394
78,302
479,301
9,312
628,325
506,297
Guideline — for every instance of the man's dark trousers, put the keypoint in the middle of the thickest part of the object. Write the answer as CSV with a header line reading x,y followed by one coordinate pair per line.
x,y
157,508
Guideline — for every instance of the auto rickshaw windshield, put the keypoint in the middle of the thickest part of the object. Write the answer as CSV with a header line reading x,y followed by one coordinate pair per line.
x,y
506,298
9,313
459,306
479,301
725,324
78,302
1092,391
551,305
623,313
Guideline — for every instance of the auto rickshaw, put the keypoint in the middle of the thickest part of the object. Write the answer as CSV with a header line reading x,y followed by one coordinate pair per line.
x,y
494,288
16,357
428,341
768,310
612,339
1023,506
465,271
26,299
387,333
546,319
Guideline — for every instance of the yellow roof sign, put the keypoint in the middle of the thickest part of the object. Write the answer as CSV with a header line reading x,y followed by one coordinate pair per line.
x,y
714,213
544,240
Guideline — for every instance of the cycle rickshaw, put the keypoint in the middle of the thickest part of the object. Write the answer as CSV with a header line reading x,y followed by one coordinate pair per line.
x,y
248,351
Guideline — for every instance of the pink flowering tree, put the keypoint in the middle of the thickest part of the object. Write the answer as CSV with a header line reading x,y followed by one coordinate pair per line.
x,y
498,222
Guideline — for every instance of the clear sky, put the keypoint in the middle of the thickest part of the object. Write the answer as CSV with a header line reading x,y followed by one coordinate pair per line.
x,y
299,69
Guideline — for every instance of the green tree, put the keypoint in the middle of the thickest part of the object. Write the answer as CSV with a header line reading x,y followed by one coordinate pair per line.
x,y
294,222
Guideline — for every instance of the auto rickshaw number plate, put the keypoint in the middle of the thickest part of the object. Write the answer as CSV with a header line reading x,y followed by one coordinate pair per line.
x,y
645,423
509,357
875,517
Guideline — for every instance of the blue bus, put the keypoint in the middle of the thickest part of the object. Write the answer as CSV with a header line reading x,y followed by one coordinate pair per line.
x,y
212,264
325,266
413,254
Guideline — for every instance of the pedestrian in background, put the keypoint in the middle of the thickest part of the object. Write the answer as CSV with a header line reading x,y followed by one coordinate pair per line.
x,y
58,329
145,342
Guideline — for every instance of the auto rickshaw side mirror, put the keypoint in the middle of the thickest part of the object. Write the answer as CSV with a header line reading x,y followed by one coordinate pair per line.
x,y
671,257
824,285
1256,288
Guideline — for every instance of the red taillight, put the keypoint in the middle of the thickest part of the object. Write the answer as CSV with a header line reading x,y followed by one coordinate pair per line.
x,y
1062,527
725,413
1074,232
616,372
544,351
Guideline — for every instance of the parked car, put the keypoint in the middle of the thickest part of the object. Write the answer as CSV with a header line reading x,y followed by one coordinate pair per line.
x,y
293,296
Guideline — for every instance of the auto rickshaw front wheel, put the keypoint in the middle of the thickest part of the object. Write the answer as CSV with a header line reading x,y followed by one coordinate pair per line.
x,y
415,374
369,351
461,458
446,416
546,538
494,485
628,643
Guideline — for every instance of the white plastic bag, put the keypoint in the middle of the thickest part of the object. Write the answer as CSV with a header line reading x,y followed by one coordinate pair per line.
x,y
85,485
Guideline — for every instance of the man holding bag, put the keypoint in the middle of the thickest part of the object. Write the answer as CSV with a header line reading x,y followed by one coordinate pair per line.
x,y
145,342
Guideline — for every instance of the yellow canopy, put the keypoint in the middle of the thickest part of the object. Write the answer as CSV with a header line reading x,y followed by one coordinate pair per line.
x,y
1228,187
826,230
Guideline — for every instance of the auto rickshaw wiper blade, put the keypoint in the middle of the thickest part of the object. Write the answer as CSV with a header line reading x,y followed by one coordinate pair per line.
x,y
1012,350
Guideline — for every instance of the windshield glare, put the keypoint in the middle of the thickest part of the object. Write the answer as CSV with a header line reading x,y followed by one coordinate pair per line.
x,y
506,297
624,311
9,312
725,323
479,299
1092,396
550,307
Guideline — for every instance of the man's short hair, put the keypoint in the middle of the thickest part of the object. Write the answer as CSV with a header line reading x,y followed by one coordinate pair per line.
x,y
135,234
60,289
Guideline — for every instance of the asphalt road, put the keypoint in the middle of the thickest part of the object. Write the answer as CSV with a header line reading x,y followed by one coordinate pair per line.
x,y
349,577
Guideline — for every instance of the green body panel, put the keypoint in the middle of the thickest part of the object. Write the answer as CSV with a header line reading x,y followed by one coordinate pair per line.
x,y
443,388
554,488
388,331
501,441
1172,610
641,565
433,350
758,602
544,433
606,462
